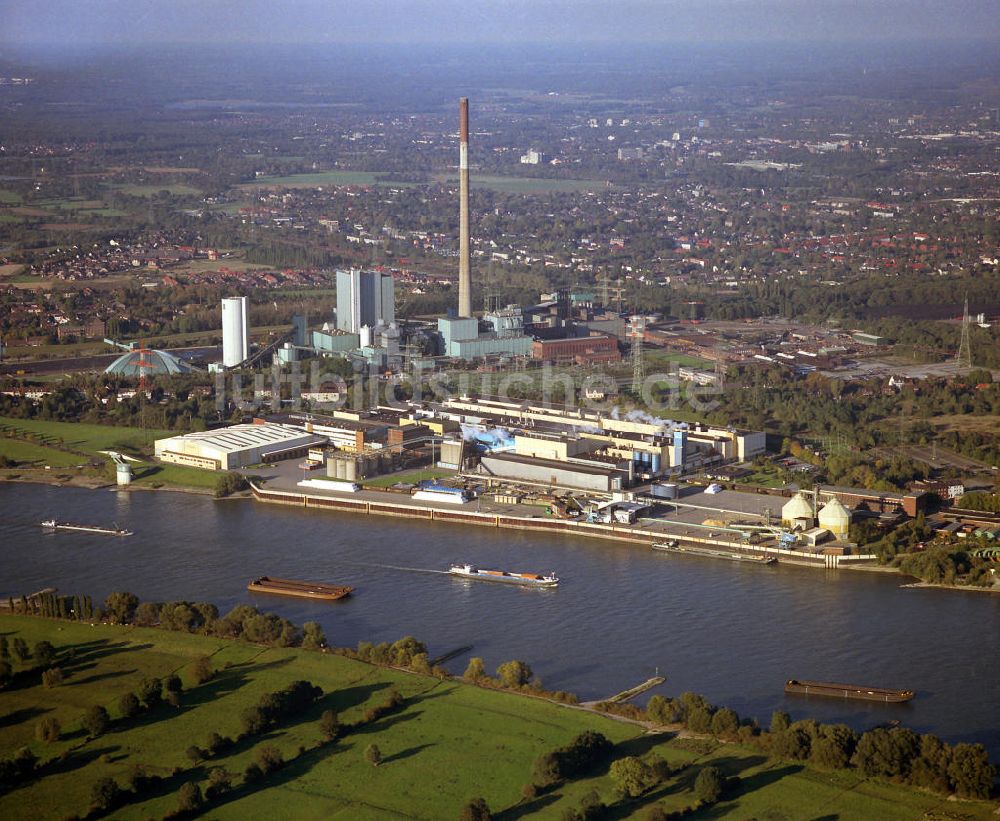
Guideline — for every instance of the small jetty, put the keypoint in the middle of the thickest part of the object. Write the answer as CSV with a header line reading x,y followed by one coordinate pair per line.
x,y
638,690
52,524
675,546
298,588
450,655
855,691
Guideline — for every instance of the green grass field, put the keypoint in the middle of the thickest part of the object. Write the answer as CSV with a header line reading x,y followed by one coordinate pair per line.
x,y
663,359
526,185
8,197
92,439
177,189
411,476
450,742
323,178
514,185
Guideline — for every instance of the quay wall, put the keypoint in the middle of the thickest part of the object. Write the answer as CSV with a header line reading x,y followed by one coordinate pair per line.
x,y
619,533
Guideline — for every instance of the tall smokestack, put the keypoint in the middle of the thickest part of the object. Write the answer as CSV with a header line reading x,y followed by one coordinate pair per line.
x,y
464,267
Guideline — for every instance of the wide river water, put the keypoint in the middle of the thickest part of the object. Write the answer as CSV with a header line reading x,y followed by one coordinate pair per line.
x,y
731,631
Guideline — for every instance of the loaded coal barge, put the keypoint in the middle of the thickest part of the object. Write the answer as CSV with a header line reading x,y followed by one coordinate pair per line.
x,y
825,688
300,589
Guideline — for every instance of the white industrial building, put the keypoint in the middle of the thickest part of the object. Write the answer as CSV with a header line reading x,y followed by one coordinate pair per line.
x,y
235,331
237,446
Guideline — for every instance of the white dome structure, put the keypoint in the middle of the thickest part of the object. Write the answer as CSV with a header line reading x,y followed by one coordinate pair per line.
x,y
836,518
797,511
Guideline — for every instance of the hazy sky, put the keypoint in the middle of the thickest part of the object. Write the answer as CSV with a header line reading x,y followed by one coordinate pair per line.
x,y
116,21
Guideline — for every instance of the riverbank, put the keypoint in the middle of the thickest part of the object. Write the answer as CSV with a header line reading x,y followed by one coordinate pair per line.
x,y
375,503
93,483
427,770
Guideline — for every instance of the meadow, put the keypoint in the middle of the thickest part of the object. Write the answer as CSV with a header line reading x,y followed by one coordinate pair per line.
x,y
450,741
513,185
45,440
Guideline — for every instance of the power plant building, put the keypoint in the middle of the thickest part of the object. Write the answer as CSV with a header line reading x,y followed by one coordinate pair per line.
x,y
235,331
364,298
461,338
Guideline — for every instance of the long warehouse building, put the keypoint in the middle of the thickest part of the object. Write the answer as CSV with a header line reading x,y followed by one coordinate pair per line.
x,y
237,446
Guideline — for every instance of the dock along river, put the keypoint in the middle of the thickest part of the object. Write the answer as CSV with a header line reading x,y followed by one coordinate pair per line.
x,y
733,632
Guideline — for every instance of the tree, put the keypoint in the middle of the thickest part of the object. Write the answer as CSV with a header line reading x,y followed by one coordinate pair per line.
x,y
48,729
121,607
44,653
21,649
269,758
475,671
147,614
708,785
546,770
329,725
150,692
105,794
886,753
664,710
475,809
229,483
373,755
780,720
725,723
202,670
128,705
313,637
631,775
96,721
52,677
189,797
834,747
970,771
254,720
514,674
219,782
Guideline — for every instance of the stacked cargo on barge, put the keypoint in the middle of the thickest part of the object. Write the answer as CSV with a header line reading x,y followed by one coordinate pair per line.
x,y
470,571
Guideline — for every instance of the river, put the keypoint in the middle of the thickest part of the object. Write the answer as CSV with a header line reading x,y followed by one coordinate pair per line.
x,y
731,631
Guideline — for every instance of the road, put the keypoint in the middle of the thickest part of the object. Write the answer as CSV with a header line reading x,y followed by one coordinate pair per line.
x,y
940,457
99,362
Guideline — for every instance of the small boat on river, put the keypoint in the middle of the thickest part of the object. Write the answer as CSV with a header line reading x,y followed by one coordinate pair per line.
x,y
298,588
470,571
825,688
52,524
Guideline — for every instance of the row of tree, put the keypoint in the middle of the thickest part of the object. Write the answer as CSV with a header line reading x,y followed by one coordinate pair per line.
x,y
897,754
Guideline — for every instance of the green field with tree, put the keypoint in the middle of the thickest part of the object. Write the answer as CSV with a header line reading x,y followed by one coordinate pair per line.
x,y
141,722
28,445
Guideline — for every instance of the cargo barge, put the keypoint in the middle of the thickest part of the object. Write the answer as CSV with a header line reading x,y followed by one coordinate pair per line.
x,y
52,524
674,546
825,688
301,589
470,571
